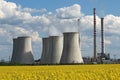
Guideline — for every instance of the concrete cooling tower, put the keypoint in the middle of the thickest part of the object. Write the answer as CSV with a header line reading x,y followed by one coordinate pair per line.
x,y
52,50
71,49
14,53
55,49
45,51
22,50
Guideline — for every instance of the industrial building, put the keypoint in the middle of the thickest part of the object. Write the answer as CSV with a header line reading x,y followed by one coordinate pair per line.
x,y
54,50
22,51
60,50
71,49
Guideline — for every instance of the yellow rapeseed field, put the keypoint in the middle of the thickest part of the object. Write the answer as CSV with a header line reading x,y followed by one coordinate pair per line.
x,y
61,72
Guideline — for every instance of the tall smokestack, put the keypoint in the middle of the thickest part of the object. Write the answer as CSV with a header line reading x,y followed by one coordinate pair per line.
x,y
102,38
95,46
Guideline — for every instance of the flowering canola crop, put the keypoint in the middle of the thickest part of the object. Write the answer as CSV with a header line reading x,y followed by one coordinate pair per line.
x,y
61,72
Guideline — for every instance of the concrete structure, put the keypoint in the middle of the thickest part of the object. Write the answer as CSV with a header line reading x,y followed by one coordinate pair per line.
x,y
87,60
95,46
55,49
102,39
45,51
71,49
107,62
22,51
14,53
52,50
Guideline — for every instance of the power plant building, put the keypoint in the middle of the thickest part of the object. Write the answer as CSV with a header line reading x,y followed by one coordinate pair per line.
x,y
71,49
22,51
64,49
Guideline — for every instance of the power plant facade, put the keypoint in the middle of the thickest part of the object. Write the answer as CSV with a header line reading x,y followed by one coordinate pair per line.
x,y
64,49
55,49
22,51
71,49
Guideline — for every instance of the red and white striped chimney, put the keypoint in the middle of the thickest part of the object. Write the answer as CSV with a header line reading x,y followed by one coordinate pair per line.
x,y
95,46
102,38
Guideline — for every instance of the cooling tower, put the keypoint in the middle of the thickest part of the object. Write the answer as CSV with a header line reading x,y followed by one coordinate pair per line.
x,y
55,49
14,53
71,49
25,49
45,51
22,51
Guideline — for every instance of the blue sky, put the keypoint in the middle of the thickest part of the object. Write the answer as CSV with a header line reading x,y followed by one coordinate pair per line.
x,y
34,18
103,6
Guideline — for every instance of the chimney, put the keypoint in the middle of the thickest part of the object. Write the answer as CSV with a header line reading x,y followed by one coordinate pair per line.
x,y
102,38
95,46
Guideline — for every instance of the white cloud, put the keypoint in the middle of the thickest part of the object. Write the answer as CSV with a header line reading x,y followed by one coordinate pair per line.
x,y
69,12
112,24
2,14
107,41
29,10
53,31
17,21
7,8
